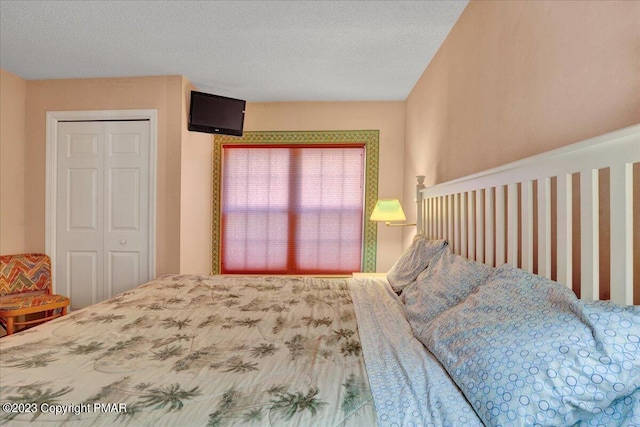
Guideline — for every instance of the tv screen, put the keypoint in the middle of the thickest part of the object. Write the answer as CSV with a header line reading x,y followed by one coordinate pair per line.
x,y
216,114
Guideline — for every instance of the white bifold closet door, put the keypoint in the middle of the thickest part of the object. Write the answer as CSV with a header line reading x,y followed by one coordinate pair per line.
x,y
102,202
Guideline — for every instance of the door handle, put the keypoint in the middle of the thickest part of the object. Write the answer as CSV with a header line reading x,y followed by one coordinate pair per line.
x,y
123,242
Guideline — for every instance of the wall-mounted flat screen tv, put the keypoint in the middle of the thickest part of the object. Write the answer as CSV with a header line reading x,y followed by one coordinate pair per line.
x,y
216,114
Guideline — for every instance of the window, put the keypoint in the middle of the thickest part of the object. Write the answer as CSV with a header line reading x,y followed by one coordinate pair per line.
x,y
292,209
294,202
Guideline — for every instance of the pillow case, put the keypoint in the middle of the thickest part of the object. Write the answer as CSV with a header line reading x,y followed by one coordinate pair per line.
x,y
447,281
526,351
413,261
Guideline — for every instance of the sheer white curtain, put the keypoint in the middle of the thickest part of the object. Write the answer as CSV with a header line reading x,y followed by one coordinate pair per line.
x,y
292,209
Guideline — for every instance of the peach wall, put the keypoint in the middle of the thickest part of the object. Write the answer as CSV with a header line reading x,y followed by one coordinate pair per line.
x,y
195,194
514,79
184,158
163,93
387,117
13,96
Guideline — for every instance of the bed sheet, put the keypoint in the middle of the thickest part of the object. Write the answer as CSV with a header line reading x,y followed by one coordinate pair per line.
x,y
195,350
409,386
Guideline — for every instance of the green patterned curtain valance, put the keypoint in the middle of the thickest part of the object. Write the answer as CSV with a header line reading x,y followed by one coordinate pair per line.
x,y
367,137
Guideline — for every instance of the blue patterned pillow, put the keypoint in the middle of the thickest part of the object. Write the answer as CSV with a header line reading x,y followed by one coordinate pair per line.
x,y
413,261
525,350
447,281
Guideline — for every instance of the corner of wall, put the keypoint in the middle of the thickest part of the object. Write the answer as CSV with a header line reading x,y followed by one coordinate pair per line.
x,y
13,166
195,193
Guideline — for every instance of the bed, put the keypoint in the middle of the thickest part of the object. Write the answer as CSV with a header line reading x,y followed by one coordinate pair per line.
x,y
467,328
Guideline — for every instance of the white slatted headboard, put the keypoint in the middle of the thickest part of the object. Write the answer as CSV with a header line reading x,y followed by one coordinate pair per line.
x,y
491,216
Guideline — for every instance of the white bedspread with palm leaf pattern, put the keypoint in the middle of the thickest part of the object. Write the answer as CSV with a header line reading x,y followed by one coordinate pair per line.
x,y
196,350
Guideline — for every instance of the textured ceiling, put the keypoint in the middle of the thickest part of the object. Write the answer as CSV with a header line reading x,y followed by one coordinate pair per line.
x,y
254,50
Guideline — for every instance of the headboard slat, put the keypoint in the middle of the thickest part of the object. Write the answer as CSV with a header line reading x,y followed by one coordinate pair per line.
x,y
463,224
589,235
489,211
512,224
479,226
456,224
564,192
526,200
544,227
450,217
501,231
471,227
621,214
439,216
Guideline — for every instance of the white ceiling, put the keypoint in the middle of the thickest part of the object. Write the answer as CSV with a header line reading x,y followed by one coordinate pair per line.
x,y
254,50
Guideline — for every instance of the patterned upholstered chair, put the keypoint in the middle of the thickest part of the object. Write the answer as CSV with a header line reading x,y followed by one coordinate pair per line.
x,y
25,288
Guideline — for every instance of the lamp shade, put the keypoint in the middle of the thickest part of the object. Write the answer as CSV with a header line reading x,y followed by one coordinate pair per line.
x,y
388,210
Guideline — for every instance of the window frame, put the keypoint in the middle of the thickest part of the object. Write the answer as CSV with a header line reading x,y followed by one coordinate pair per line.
x,y
370,140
